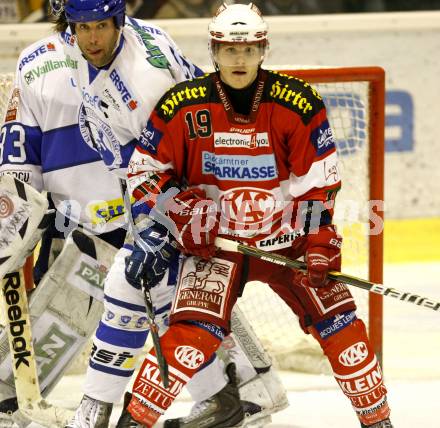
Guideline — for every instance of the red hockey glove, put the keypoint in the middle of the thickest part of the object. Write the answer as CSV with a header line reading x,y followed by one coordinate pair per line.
x,y
197,222
322,255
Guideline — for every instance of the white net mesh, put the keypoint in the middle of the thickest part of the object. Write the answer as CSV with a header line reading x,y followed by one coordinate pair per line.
x,y
6,82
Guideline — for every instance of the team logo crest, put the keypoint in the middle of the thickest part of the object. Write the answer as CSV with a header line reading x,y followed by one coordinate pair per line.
x,y
248,208
109,315
124,320
29,77
141,322
99,136
189,357
354,355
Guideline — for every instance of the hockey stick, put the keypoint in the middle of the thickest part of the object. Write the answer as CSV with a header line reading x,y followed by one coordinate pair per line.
x,y
154,329
30,403
228,245
22,218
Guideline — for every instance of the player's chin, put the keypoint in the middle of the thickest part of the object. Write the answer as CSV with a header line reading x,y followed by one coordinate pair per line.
x,y
97,58
240,79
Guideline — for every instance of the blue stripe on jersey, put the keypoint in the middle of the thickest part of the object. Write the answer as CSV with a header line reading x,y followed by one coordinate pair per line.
x,y
123,338
64,147
93,72
18,137
128,247
134,307
123,304
126,152
110,370
215,330
162,309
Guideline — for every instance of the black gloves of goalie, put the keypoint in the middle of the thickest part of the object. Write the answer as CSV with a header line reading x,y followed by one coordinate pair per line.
x,y
147,268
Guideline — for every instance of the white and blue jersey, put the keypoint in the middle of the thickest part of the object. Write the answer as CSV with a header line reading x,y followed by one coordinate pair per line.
x,y
116,103
41,143
117,99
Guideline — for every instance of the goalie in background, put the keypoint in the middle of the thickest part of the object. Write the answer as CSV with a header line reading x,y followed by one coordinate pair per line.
x,y
249,155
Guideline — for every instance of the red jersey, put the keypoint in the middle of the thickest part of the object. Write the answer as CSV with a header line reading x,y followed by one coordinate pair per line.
x,y
255,167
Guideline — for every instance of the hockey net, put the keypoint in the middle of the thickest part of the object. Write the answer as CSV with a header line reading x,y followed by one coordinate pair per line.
x,y
6,82
355,102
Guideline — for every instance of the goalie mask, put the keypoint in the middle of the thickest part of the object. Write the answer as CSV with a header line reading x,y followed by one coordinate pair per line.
x,y
238,33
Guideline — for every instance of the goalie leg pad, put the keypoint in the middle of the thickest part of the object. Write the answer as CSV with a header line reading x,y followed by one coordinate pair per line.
x,y
186,347
248,342
8,400
261,391
22,211
207,381
65,308
262,396
355,366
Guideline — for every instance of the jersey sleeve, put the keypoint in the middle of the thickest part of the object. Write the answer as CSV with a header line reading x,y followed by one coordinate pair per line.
x,y
312,158
21,136
158,161
181,67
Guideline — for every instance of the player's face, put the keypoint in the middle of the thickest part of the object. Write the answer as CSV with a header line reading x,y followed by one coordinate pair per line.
x,y
97,40
238,63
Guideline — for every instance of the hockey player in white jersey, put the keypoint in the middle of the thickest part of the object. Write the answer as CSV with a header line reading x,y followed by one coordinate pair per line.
x,y
122,71
41,145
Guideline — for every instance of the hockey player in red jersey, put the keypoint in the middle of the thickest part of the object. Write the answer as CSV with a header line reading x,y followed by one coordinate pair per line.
x,y
248,154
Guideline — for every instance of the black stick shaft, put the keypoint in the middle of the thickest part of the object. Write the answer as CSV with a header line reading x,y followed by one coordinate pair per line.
x,y
405,296
154,330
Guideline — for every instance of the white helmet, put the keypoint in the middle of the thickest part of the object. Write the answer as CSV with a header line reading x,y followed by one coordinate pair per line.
x,y
238,23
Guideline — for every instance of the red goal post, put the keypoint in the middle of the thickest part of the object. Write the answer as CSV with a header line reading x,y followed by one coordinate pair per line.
x,y
375,76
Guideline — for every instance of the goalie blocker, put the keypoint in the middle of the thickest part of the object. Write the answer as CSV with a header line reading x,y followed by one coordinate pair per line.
x,y
65,309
